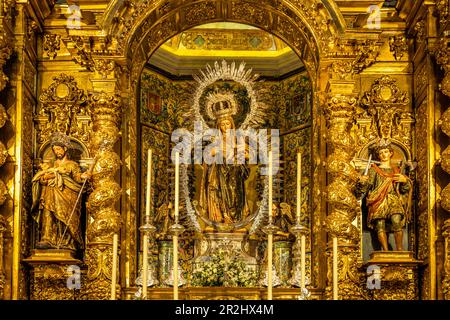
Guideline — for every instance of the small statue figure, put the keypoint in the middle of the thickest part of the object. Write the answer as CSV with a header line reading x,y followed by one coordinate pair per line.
x,y
283,219
56,206
165,217
389,196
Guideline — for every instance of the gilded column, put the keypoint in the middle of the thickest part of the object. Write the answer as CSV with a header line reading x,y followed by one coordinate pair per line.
x,y
5,54
443,58
104,219
343,205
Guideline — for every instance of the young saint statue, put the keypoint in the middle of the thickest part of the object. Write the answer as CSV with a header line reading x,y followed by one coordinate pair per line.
x,y
388,197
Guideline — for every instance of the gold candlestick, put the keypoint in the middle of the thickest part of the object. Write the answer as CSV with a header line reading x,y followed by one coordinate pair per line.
x,y
303,262
270,234
300,233
149,183
335,268
270,188
176,229
147,228
114,266
177,185
145,267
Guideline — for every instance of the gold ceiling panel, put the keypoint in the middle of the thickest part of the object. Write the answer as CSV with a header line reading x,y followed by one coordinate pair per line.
x,y
247,40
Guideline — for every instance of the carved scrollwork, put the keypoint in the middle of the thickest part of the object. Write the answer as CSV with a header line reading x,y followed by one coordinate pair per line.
x,y
63,110
99,263
443,59
446,280
3,192
2,231
398,46
49,282
52,44
352,56
443,8
5,53
104,67
387,108
3,154
3,116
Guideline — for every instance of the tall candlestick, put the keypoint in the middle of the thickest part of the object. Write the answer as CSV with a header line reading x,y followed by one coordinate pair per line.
x,y
175,237
299,186
270,235
269,267
145,267
149,183
175,267
114,266
335,268
147,217
303,263
177,185
270,187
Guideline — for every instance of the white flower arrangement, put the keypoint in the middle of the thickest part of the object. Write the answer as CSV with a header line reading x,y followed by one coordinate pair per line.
x,y
224,269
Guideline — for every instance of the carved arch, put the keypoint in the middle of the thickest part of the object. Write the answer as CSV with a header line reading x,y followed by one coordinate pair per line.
x,y
140,28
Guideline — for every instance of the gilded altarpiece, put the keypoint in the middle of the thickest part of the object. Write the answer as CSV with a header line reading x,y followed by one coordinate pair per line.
x,y
164,108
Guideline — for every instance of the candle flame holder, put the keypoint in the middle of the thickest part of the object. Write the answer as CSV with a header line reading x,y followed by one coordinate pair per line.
x,y
299,230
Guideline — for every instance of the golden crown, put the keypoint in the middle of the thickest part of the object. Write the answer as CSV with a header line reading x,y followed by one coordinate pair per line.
x,y
383,144
221,105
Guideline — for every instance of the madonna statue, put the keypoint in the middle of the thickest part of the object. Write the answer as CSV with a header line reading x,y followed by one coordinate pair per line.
x,y
223,197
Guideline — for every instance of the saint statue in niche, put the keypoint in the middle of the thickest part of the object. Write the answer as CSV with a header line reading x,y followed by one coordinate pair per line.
x,y
56,208
388,199
223,196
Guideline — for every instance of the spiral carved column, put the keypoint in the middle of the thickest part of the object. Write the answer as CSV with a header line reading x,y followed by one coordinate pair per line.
x,y
104,219
340,111
443,58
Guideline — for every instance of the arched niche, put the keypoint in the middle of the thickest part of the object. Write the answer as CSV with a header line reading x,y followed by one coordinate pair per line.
x,y
403,159
78,152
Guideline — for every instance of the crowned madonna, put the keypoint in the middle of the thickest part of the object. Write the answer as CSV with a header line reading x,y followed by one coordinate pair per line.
x,y
223,195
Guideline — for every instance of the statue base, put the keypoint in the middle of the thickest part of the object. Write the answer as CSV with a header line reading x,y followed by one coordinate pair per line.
x,y
63,256
393,275
55,275
394,257
234,242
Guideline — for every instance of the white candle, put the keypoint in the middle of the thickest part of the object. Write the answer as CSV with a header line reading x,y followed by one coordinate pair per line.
x,y
145,267
175,267
149,183
303,262
299,186
269,267
114,266
177,185
270,187
335,268
147,215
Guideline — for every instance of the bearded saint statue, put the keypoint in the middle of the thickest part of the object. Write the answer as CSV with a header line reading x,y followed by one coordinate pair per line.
x,y
56,208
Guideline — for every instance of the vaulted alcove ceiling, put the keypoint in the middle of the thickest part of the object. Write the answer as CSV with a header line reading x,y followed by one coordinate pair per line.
x,y
191,50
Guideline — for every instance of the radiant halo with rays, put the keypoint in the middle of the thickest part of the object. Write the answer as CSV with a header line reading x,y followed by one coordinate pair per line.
x,y
223,72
